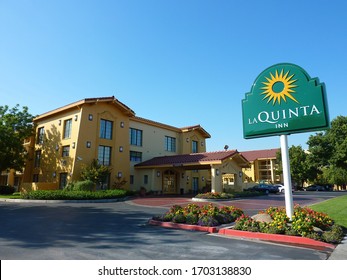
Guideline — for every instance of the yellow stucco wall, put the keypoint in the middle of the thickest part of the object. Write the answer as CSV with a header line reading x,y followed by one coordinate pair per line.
x,y
84,142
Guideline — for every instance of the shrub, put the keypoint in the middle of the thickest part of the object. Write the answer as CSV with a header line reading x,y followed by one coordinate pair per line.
x,y
208,221
7,190
86,185
214,195
192,218
335,235
246,223
179,218
73,195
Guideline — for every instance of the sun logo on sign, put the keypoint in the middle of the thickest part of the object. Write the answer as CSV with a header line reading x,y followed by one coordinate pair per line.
x,y
279,87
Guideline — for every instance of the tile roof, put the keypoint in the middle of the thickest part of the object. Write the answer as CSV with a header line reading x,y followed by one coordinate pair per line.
x,y
189,159
260,154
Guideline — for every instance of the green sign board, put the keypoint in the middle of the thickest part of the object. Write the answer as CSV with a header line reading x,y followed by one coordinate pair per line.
x,y
284,100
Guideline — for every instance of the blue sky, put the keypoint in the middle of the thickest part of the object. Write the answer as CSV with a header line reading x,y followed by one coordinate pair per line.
x,y
177,62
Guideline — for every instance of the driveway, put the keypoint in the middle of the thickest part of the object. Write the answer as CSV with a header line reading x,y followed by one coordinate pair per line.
x,y
118,230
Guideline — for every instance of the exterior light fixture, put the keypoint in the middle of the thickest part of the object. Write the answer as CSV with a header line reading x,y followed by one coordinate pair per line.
x,y
90,117
76,117
119,174
217,172
121,149
121,124
158,173
89,144
73,145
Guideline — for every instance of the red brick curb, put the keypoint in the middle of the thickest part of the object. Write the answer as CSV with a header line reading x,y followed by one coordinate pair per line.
x,y
183,226
280,238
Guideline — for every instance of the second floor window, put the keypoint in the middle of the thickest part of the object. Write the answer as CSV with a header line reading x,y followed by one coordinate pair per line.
x,y
194,146
37,158
67,129
106,129
104,155
170,144
135,156
66,151
135,137
40,135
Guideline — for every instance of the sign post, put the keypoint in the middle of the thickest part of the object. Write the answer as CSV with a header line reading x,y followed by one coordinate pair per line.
x,y
283,100
286,176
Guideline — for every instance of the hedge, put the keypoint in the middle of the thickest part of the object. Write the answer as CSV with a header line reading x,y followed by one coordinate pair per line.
x,y
75,195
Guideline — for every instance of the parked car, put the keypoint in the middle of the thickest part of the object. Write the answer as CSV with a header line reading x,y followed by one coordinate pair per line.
x,y
315,188
281,188
264,188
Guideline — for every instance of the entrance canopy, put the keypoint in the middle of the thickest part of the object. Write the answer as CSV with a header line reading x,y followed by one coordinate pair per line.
x,y
196,161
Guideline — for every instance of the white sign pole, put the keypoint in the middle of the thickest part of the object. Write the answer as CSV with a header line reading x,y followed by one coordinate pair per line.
x,y
287,177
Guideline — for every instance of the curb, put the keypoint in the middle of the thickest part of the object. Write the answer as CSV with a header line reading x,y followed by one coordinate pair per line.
x,y
183,226
276,238
52,201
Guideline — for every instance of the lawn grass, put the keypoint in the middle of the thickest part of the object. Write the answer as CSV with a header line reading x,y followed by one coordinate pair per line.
x,y
11,196
336,208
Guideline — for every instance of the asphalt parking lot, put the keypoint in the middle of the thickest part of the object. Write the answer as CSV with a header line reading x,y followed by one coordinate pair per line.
x,y
119,230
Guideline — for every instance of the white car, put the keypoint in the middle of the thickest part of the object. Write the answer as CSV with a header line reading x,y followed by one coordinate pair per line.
x,y
281,188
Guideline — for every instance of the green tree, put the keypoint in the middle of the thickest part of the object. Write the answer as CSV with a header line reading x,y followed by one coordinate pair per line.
x,y
300,169
95,172
328,152
16,125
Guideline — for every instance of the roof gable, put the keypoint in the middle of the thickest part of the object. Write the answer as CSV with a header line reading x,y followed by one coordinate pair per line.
x,y
190,159
260,154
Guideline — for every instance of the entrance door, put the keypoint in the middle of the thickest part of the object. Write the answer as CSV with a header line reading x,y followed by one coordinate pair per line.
x,y
169,182
195,185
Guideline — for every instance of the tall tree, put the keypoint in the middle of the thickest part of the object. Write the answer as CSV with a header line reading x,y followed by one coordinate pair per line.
x,y
328,152
16,124
301,171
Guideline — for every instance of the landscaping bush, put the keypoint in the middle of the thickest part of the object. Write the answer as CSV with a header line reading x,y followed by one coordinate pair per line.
x,y
7,190
74,195
207,215
192,219
86,185
305,222
208,221
223,195
215,195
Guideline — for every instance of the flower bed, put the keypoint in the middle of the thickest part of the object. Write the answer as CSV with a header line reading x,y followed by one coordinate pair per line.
x,y
207,215
305,223
223,195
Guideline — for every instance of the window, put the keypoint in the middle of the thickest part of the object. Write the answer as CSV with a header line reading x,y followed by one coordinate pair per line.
x,y
135,137
194,146
62,180
145,179
104,155
40,135
66,151
67,129
106,129
170,144
131,179
35,178
37,159
135,156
